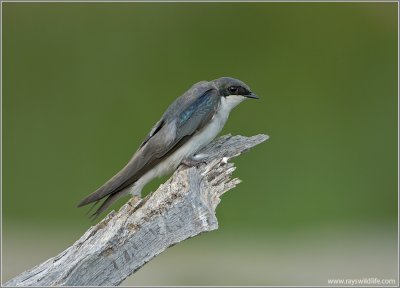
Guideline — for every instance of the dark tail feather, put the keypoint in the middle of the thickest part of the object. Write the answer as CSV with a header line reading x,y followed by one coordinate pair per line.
x,y
109,188
107,203
94,197
91,207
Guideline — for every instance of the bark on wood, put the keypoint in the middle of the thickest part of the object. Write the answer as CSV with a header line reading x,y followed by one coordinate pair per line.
x,y
182,207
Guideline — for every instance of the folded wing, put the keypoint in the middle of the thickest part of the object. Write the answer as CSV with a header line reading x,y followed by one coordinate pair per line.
x,y
187,115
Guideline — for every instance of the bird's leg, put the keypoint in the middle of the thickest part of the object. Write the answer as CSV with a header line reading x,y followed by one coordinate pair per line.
x,y
195,160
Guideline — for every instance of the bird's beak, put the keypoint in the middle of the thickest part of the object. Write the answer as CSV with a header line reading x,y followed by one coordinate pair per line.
x,y
252,96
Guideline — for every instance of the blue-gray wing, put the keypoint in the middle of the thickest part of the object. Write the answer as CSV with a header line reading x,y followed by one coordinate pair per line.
x,y
187,115
174,130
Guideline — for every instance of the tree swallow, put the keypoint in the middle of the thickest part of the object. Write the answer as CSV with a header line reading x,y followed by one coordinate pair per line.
x,y
191,122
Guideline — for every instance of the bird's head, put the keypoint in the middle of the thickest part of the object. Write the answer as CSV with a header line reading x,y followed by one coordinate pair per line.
x,y
229,87
233,91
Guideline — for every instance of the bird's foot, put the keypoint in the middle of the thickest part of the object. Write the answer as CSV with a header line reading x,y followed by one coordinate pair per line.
x,y
195,160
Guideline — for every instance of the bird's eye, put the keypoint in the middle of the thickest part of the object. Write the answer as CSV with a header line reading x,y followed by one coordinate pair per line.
x,y
233,89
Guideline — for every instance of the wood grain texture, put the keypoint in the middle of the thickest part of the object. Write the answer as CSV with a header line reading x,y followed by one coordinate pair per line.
x,y
182,207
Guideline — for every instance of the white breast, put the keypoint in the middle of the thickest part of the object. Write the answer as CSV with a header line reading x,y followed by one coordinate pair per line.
x,y
208,133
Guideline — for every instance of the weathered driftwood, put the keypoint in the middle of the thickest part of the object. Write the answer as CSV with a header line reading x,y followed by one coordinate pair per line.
x,y
182,207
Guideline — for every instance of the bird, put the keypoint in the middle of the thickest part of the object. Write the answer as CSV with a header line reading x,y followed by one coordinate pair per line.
x,y
191,122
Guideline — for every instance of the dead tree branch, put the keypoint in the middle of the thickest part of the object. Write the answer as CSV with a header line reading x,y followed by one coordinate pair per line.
x,y
182,207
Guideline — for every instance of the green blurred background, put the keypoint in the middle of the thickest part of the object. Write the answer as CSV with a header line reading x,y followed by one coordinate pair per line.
x,y
83,83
